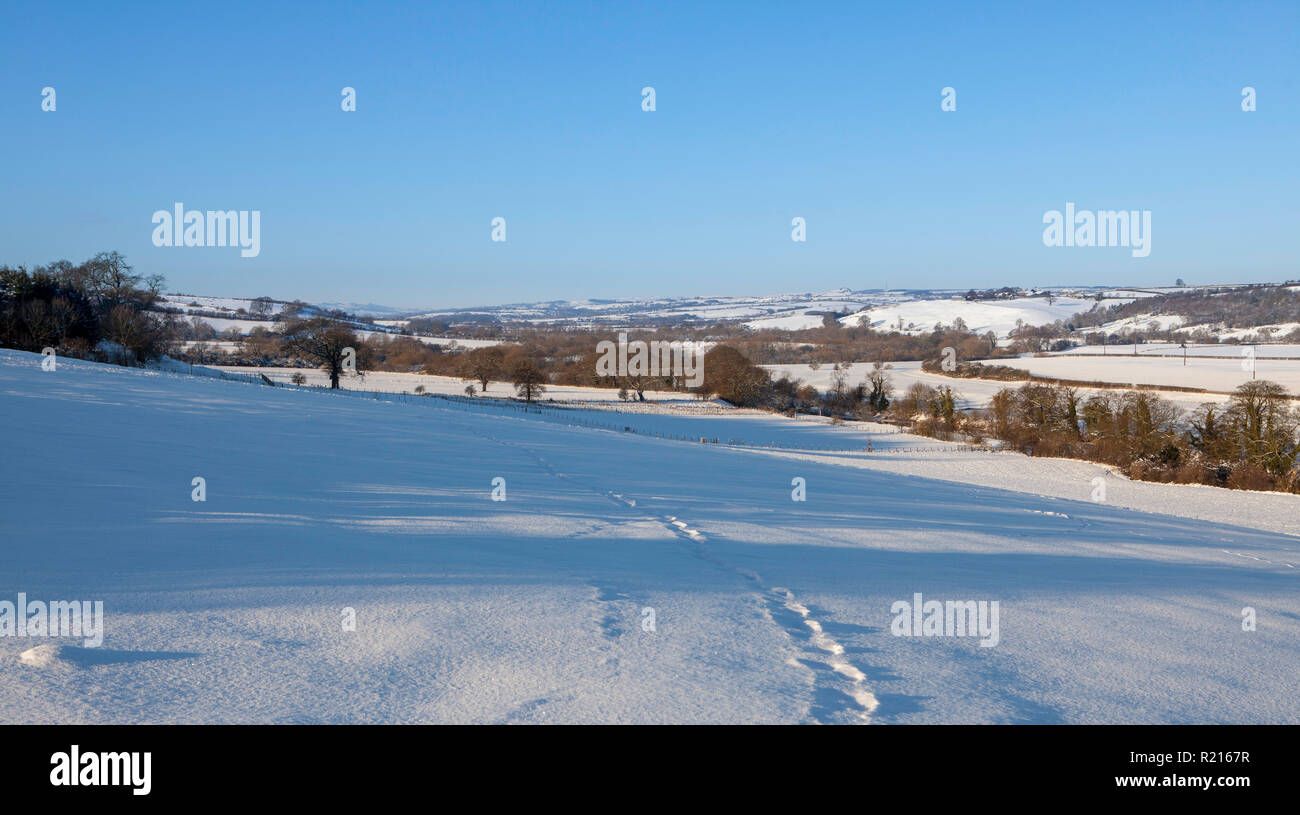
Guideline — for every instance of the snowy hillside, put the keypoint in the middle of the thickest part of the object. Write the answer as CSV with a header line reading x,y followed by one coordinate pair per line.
x,y
977,393
625,577
981,316
236,308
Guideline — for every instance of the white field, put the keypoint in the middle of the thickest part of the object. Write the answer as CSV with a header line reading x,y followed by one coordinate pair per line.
x,y
973,393
394,382
790,322
231,304
1251,334
1213,374
1144,322
1215,368
1167,349
531,609
980,316
1165,322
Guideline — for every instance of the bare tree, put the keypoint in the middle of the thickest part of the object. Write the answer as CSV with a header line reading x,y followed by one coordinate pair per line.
x,y
483,365
333,347
528,379
639,384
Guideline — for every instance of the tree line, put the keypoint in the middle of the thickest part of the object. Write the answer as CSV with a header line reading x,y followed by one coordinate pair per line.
x,y
1250,442
98,309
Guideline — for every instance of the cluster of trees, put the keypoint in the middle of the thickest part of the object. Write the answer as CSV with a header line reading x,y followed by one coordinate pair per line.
x,y
1004,293
558,357
833,342
976,370
731,376
75,308
1034,339
728,374
524,368
1249,443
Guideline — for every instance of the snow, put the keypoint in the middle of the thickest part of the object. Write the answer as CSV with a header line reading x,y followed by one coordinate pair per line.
x,y
971,393
1141,322
1166,322
42,656
1173,349
980,316
362,309
1254,333
793,322
189,302
1216,369
532,609
222,324
395,382
1210,373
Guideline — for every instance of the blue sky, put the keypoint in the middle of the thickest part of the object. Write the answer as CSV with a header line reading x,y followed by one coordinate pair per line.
x,y
765,111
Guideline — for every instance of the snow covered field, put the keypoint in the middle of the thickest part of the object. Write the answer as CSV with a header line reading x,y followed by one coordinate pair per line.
x,y
394,382
537,608
974,393
980,316
1170,349
1213,374
1214,368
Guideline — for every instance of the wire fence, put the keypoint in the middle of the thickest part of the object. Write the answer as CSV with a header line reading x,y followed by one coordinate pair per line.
x,y
560,414
564,415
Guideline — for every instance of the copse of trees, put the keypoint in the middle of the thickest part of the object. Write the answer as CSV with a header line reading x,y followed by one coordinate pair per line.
x,y
40,310
1252,442
1033,339
733,378
1259,427
400,353
835,343
976,370
75,308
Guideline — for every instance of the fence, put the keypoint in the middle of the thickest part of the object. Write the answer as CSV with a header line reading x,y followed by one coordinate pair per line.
x,y
560,414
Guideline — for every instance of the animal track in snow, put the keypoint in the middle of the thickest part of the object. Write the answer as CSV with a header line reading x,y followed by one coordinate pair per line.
x,y
857,690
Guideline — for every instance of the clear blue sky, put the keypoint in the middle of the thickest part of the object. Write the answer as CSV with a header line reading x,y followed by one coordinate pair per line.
x,y
766,111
